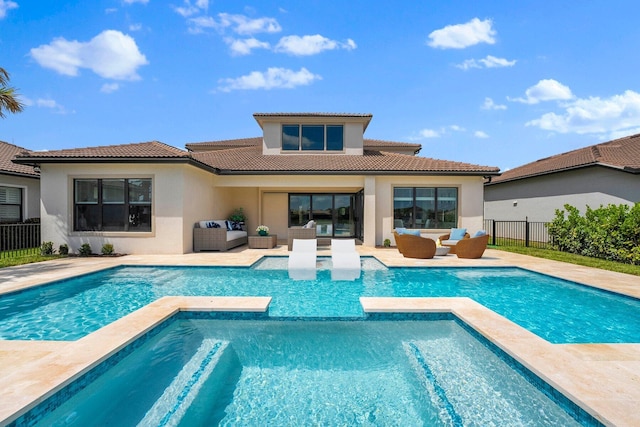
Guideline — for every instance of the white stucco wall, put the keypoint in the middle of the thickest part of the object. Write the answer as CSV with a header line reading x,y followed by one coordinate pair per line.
x,y
30,193
181,196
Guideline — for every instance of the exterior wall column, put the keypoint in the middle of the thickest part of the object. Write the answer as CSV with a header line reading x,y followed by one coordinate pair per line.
x,y
369,214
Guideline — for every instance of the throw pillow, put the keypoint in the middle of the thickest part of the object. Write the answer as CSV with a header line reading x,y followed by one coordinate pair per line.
x,y
457,233
214,225
480,233
236,226
414,232
401,230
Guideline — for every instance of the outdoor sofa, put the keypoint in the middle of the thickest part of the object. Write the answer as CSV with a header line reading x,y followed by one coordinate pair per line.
x,y
209,237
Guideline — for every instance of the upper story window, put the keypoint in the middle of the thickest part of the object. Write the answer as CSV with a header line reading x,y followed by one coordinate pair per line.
x,y
10,204
116,204
312,137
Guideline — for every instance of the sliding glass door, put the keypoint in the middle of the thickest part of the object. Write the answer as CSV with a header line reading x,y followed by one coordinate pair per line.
x,y
334,214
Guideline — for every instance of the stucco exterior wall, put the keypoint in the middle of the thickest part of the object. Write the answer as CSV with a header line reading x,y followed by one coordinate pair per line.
x,y
30,193
181,196
537,198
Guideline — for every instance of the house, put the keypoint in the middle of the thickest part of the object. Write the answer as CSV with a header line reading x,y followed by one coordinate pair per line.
x,y
146,197
19,187
601,174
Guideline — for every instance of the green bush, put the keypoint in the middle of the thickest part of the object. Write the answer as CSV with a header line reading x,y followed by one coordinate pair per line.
x,y
47,248
85,250
64,249
107,249
611,233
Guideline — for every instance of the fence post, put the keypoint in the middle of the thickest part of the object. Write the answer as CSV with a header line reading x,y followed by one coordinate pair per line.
x,y
493,232
526,231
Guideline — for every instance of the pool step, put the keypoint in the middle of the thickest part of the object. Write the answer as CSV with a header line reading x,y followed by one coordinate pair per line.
x,y
178,396
472,385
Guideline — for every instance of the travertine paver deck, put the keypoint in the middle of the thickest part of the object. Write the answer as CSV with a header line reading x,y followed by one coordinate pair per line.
x,y
603,378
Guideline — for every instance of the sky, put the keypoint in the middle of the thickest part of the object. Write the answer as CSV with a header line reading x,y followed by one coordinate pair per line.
x,y
494,83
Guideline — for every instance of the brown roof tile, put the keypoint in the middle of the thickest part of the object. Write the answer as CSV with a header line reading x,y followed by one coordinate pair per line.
x,y
7,152
146,150
250,160
622,153
247,142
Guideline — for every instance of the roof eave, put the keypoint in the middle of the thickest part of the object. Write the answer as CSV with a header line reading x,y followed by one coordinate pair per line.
x,y
358,172
35,161
20,174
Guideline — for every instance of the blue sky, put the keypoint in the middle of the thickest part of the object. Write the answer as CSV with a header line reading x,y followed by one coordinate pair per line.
x,y
496,83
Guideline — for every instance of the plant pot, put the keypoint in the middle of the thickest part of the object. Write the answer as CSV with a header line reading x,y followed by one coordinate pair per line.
x,y
263,233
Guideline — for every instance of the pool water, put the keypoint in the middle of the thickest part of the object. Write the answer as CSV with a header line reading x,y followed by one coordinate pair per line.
x,y
556,310
248,372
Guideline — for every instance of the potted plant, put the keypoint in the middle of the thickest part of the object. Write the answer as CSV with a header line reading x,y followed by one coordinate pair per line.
x,y
237,215
262,230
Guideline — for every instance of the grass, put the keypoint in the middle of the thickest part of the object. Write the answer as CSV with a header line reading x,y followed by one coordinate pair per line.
x,y
6,261
573,259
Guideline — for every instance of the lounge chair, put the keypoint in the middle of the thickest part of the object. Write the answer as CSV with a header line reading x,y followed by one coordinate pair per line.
x,y
345,260
302,260
473,247
458,234
411,246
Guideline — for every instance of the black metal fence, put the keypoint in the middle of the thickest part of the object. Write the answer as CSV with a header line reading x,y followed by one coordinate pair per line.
x,y
19,240
518,233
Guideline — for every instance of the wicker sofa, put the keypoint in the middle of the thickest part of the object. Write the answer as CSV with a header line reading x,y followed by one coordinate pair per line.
x,y
300,233
217,239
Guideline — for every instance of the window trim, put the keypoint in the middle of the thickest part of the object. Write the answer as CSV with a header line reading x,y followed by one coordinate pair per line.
x,y
21,206
112,233
300,149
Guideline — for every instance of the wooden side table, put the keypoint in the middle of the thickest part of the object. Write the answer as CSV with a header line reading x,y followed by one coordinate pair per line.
x,y
263,242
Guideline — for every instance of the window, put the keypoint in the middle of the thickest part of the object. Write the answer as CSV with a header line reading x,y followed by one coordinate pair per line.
x,y
114,204
312,137
334,214
425,207
10,204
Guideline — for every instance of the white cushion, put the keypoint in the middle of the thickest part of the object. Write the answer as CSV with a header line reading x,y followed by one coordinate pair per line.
x,y
449,242
233,235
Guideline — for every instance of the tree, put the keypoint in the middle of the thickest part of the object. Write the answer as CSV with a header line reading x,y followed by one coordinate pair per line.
x,y
8,95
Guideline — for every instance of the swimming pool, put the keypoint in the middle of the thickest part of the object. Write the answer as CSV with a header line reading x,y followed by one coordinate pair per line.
x,y
253,372
556,310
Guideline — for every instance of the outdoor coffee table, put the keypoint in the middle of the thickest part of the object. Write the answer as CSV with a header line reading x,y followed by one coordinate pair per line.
x,y
263,242
442,250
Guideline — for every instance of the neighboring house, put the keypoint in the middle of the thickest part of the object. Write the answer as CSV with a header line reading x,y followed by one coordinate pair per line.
x,y
19,187
601,174
146,197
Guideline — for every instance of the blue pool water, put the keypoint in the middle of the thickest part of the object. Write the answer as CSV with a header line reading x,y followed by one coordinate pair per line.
x,y
556,310
286,373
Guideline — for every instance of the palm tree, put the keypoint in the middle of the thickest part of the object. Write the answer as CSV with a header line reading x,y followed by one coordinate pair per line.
x,y
8,96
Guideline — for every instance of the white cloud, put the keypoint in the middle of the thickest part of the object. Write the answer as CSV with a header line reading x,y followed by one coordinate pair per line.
x,y
111,54
5,6
617,115
488,62
48,103
428,133
457,128
273,78
545,90
109,87
463,35
310,45
135,1
490,105
239,24
480,134
135,27
244,46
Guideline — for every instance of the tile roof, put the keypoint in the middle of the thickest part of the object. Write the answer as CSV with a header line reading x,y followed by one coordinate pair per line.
x,y
7,152
622,153
250,160
244,156
142,150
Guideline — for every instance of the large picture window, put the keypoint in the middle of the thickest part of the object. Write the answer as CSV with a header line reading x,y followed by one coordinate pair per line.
x,y
10,204
114,204
312,137
334,214
425,207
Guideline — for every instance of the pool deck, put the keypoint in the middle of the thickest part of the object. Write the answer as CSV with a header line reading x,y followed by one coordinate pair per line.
x,y
604,379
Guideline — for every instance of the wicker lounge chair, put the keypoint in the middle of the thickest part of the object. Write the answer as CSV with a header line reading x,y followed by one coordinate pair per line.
x,y
452,247
300,233
473,247
411,246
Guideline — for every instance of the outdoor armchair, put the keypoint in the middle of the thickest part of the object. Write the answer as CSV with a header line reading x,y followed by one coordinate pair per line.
x,y
452,244
473,247
411,246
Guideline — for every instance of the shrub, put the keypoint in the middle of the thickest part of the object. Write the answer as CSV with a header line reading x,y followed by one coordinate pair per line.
x,y
47,248
64,249
386,243
107,249
85,250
